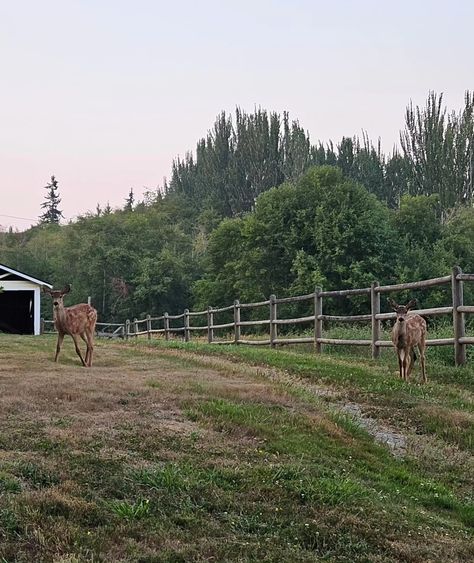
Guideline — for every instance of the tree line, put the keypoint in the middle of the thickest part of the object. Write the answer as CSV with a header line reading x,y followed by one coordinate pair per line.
x,y
241,158
257,209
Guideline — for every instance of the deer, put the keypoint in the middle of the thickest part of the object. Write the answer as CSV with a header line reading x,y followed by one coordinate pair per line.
x,y
77,321
408,332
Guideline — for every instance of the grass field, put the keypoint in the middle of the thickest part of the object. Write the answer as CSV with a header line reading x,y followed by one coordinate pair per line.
x,y
173,452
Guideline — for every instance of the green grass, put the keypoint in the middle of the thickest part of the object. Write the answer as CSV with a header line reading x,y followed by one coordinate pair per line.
x,y
442,409
129,510
189,452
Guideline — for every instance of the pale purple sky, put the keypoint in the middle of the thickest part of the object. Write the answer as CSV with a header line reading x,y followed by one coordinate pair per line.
x,y
105,93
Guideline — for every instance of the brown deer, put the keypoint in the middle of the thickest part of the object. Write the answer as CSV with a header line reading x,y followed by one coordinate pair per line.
x,y
77,321
408,331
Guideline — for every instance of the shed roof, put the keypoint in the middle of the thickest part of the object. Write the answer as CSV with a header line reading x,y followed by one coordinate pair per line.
x,y
9,274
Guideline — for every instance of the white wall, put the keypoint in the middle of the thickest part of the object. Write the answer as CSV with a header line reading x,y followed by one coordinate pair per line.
x,y
24,285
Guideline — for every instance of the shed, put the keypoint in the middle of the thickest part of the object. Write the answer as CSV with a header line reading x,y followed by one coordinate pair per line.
x,y
20,302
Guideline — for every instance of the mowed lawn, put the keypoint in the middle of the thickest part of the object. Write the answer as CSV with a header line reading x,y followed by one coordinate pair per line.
x,y
173,452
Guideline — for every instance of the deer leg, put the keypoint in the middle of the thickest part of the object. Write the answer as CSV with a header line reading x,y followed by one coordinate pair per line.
x,y
408,366
411,358
90,348
400,367
422,348
58,345
86,359
402,362
78,350
405,363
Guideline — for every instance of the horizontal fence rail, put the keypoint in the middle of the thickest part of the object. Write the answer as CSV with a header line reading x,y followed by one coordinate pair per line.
x,y
162,325
414,285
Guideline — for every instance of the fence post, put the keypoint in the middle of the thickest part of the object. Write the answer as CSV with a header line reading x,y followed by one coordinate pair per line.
x,y
166,325
273,316
458,317
186,325
135,327
127,329
148,326
318,323
236,321
375,310
210,323
42,326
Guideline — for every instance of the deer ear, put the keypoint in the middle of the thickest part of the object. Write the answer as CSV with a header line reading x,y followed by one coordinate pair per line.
x,y
66,289
412,303
392,304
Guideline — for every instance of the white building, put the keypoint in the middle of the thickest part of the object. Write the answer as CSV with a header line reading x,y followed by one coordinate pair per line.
x,y
20,302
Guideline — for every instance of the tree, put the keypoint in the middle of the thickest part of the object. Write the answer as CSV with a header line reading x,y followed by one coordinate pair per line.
x,y
129,201
418,220
456,246
419,229
223,265
238,160
397,179
457,240
322,230
439,148
52,213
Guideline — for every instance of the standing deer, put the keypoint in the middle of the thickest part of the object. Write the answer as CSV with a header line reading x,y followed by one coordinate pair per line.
x,y
77,321
408,331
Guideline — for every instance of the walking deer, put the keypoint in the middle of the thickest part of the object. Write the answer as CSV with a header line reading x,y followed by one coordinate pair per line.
x,y
77,321
408,331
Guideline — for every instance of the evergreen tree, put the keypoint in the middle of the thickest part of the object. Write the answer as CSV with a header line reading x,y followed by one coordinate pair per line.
x,y
129,201
52,213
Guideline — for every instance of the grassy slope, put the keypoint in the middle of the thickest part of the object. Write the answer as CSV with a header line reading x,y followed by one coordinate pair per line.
x,y
175,452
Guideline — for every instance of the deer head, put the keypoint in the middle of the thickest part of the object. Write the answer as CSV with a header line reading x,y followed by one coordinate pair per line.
x,y
57,295
402,310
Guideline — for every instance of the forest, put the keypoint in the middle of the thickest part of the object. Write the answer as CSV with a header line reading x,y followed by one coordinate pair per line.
x,y
257,209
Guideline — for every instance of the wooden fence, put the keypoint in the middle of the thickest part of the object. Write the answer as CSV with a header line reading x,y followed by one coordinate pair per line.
x,y
104,330
456,309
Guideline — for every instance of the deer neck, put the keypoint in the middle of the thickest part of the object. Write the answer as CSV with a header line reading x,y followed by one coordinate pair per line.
x,y
59,316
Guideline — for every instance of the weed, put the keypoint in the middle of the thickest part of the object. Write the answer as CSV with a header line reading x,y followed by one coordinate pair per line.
x,y
169,477
8,483
130,510
36,475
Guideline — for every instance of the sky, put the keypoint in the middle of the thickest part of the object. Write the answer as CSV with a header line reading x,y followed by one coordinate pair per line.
x,y
103,94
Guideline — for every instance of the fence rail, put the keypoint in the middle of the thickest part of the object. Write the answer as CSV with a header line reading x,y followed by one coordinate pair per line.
x,y
457,309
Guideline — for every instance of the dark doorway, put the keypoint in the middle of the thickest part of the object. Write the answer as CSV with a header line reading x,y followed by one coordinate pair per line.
x,y
17,309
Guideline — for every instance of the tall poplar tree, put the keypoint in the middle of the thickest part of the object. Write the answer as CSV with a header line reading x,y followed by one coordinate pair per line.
x,y
439,148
